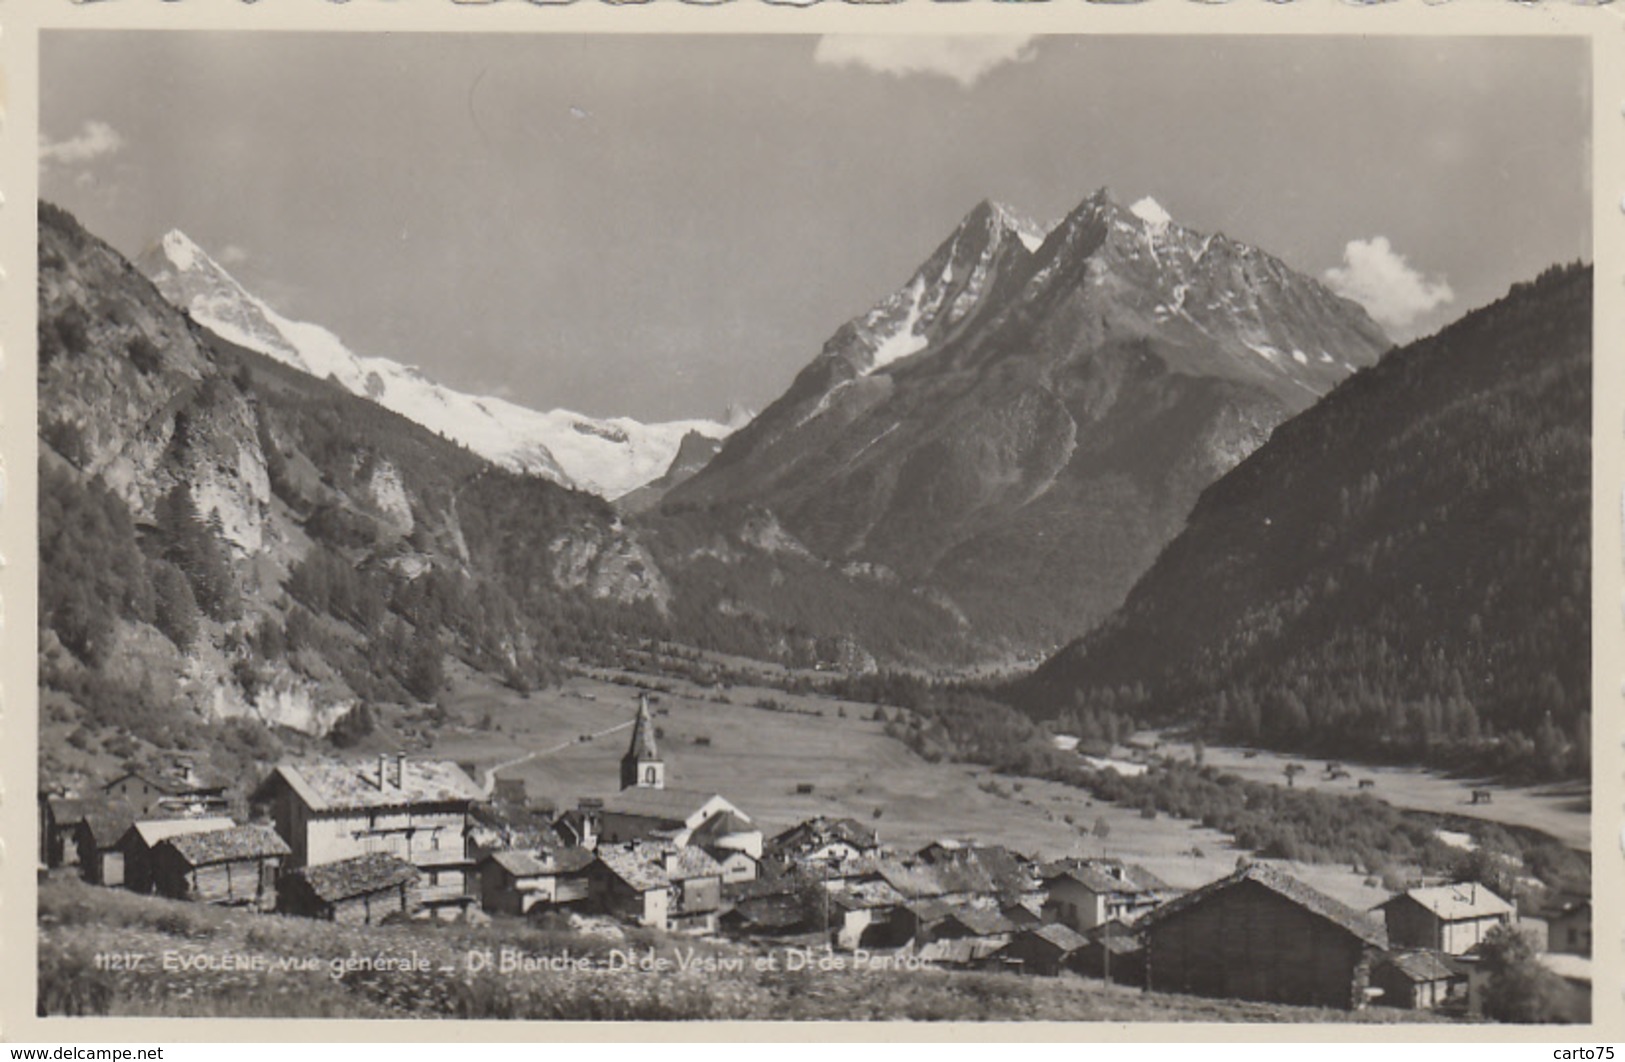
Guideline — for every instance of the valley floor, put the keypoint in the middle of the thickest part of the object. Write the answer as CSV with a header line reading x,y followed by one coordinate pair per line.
x,y
1560,810
722,741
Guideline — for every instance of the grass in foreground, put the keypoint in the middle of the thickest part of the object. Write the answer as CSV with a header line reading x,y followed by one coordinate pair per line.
x,y
186,945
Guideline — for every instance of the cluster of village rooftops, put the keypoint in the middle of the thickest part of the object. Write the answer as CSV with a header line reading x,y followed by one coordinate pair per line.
x,y
395,838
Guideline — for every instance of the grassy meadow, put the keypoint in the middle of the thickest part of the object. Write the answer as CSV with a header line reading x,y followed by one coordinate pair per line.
x,y
209,962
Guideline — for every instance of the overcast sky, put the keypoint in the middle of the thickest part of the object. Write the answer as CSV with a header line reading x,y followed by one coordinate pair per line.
x,y
661,226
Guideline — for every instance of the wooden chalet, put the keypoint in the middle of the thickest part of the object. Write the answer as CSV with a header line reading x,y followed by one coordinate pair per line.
x,y
1418,979
236,866
1262,935
96,836
1045,950
415,810
138,842
1449,918
519,882
362,890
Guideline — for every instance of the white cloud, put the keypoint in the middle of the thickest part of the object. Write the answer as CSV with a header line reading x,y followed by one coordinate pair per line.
x,y
93,140
231,254
964,59
1379,278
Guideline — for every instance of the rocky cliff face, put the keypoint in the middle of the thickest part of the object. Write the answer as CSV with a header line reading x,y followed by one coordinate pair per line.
x,y
318,552
1025,423
129,392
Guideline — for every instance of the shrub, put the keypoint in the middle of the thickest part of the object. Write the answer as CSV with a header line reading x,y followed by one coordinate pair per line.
x,y
1519,988
144,355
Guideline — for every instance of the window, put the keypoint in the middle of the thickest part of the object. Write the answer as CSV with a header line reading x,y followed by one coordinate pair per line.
x,y
649,776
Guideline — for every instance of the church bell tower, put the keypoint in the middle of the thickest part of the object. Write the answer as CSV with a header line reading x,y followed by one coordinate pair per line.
x,y
642,767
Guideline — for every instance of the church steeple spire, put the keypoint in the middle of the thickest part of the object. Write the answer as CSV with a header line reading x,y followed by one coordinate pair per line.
x,y
642,767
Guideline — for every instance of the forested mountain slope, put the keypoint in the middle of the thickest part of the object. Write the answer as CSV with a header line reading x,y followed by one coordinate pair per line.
x,y
1402,572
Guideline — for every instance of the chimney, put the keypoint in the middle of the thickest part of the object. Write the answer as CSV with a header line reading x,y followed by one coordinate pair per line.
x,y
399,771
382,759
670,860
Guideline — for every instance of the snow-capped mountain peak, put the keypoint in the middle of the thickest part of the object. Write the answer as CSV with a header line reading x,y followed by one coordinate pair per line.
x,y
943,292
1152,213
607,456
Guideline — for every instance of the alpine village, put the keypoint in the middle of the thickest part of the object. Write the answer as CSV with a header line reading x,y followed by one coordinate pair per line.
x,y
1112,624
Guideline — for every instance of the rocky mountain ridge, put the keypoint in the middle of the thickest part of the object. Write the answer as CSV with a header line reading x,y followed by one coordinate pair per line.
x,y
1024,423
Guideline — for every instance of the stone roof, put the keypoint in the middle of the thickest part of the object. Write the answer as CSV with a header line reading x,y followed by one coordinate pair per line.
x,y
1287,887
930,910
983,922
66,811
543,862
1106,876
108,819
867,895
821,830
223,846
361,876
328,785
771,912
1062,937
1452,903
1114,936
644,866
152,831
919,880
959,951
694,862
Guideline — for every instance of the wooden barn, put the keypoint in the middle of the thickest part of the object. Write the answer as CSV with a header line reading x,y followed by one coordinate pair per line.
x,y
1419,980
1113,952
138,842
1448,918
60,818
1262,935
1045,950
96,837
360,891
237,866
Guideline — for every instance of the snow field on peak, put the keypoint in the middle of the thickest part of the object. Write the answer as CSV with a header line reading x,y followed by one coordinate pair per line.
x,y
609,456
